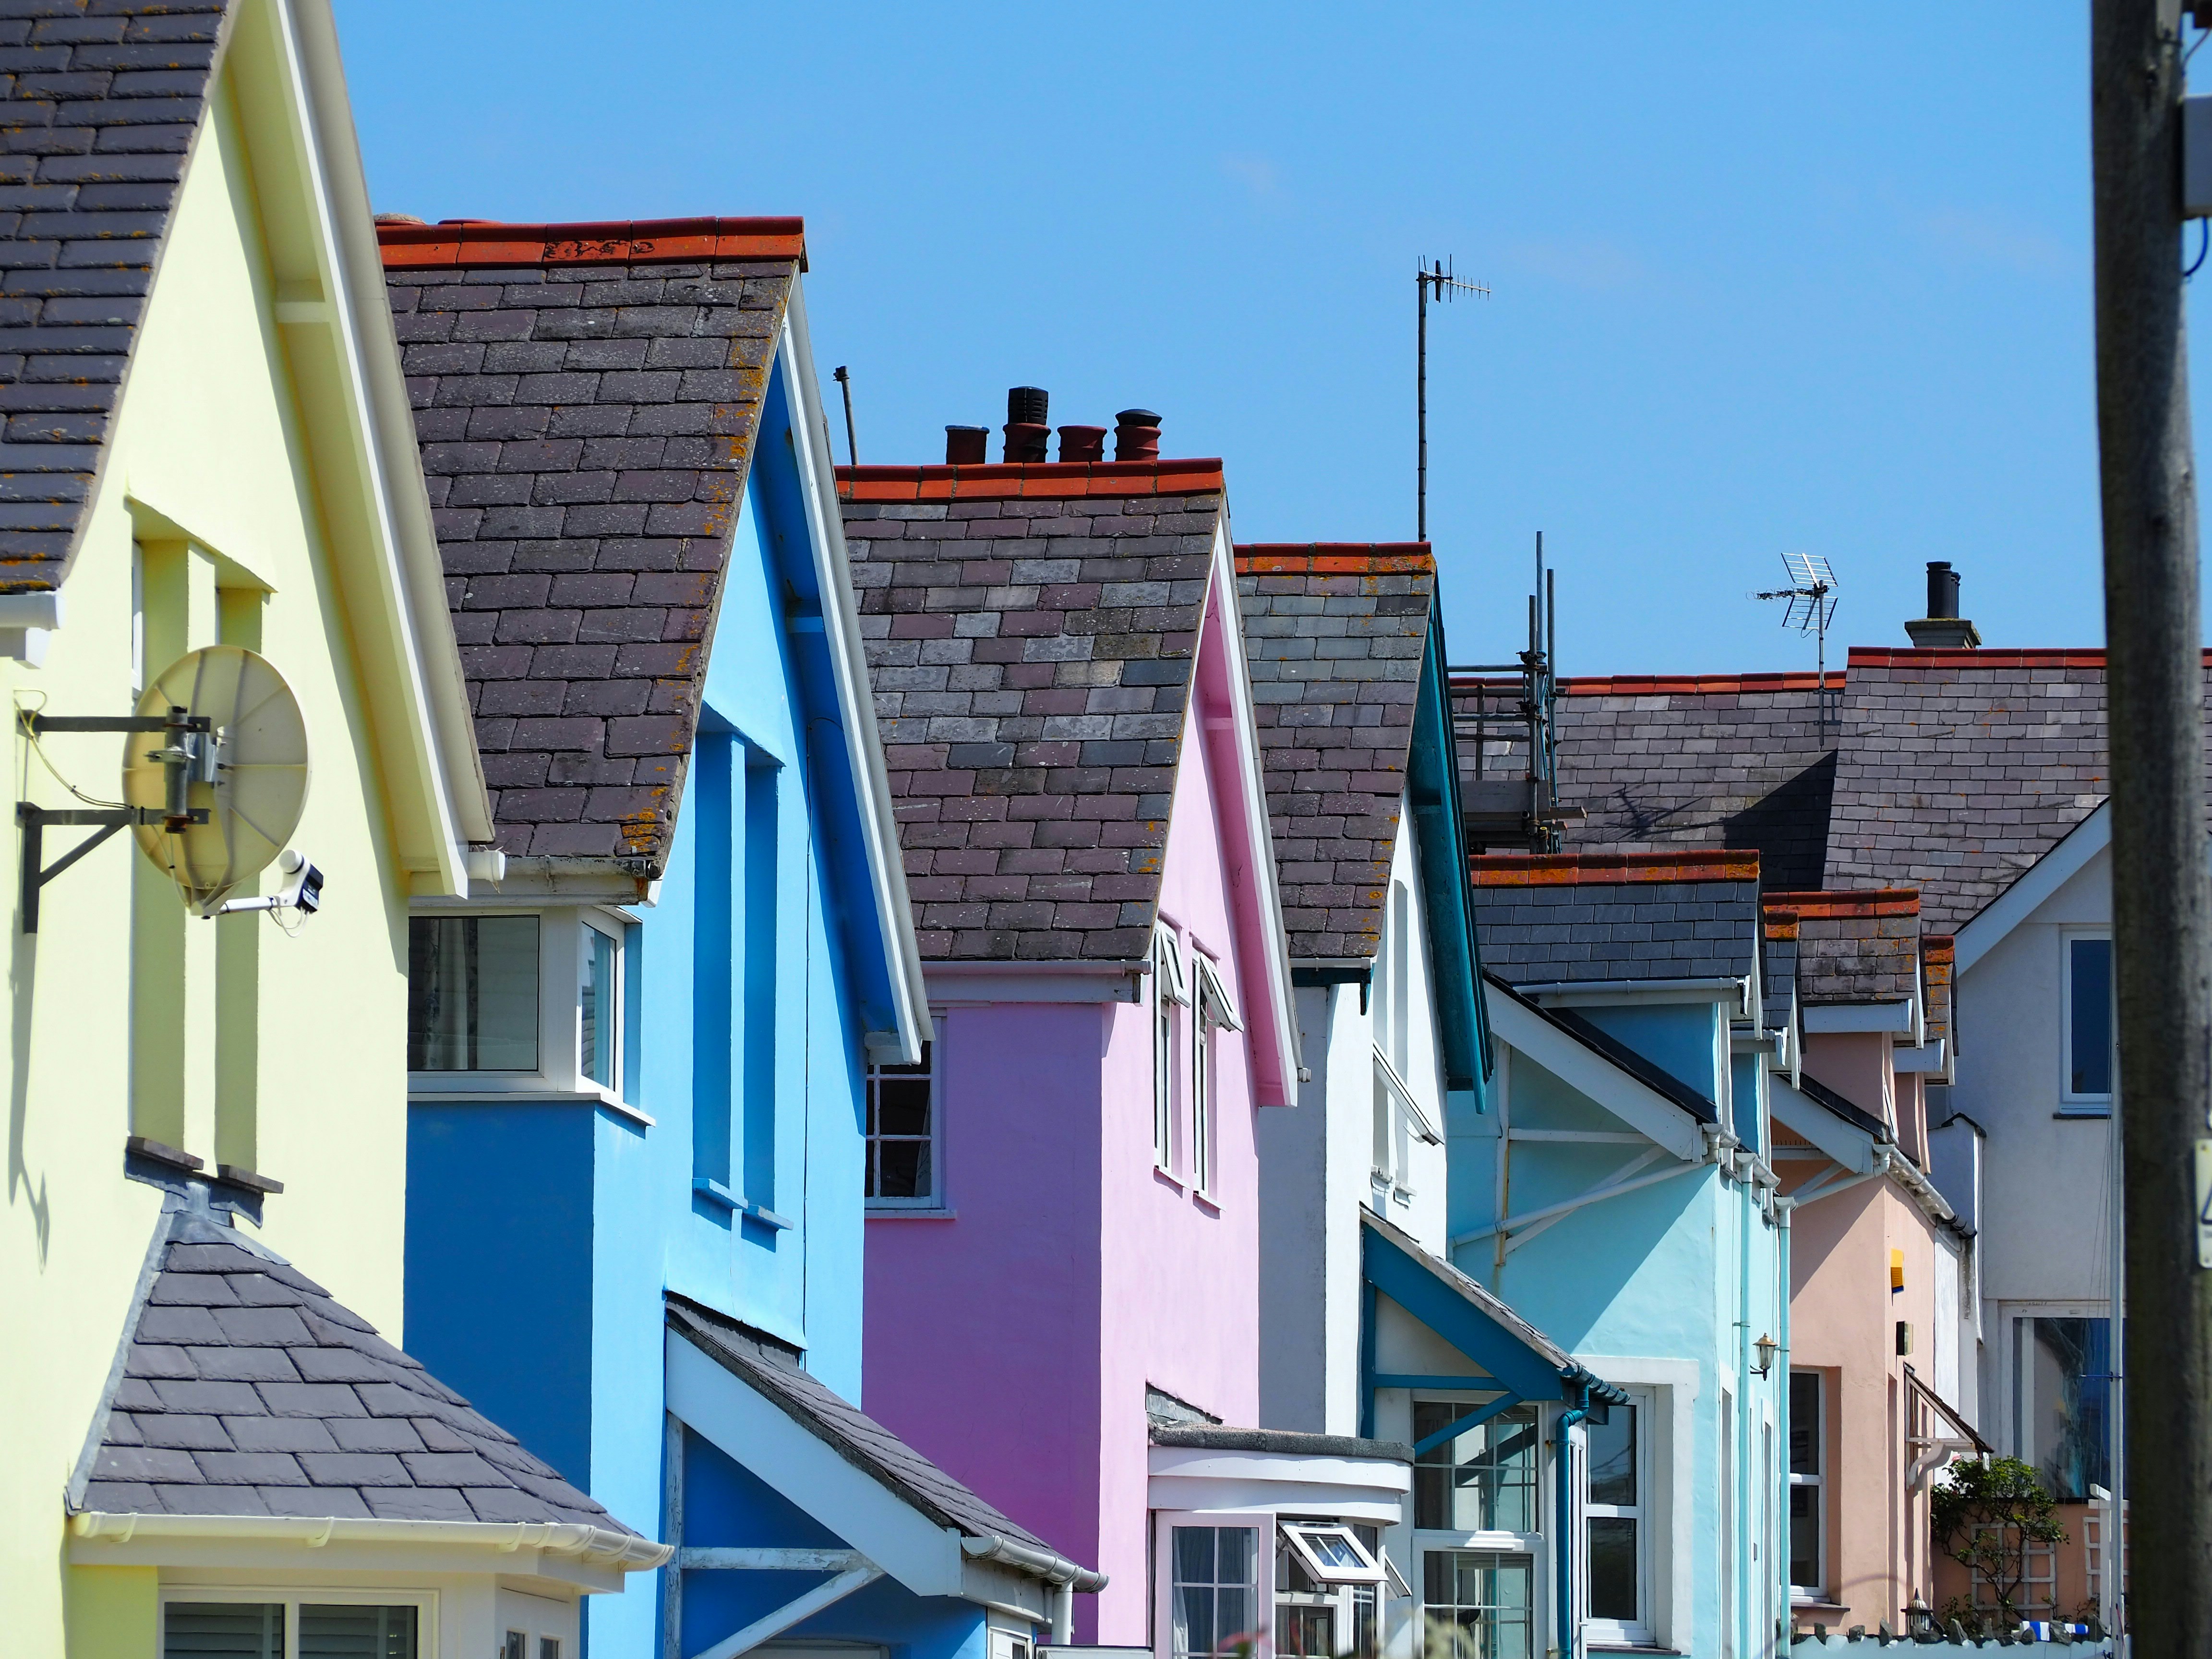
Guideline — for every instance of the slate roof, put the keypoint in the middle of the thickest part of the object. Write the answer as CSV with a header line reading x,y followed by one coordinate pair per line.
x,y
1779,975
587,398
1612,916
1334,634
1031,631
98,107
246,1389
853,1435
1671,762
1961,769
1861,946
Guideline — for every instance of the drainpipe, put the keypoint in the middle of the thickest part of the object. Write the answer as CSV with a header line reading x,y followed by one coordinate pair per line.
x,y
1063,1614
1746,1517
1563,1555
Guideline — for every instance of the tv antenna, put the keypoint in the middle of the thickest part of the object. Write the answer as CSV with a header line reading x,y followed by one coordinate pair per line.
x,y
1437,274
1810,607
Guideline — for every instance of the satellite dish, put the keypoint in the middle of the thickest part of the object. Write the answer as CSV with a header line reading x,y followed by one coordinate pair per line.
x,y
230,795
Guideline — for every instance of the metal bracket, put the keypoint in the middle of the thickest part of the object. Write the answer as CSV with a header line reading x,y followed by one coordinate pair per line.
x,y
175,817
106,819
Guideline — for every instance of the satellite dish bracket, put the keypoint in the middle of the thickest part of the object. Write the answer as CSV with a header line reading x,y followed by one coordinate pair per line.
x,y
189,737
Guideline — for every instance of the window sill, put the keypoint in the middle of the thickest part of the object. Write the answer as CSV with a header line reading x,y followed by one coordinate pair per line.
x,y
1207,1202
919,1212
2088,1108
1816,1604
715,1193
526,1094
1167,1179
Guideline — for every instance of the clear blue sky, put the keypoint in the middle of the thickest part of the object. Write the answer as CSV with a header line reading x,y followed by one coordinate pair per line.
x,y
1765,278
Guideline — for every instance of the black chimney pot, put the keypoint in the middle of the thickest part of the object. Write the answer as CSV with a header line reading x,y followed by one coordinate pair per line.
x,y
1026,405
1942,588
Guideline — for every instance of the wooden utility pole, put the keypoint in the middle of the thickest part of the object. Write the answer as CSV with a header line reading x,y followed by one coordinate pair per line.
x,y
2161,900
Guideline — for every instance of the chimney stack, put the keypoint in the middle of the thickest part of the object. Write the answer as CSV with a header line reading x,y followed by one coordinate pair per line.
x,y
964,445
1943,628
1027,430
1136,435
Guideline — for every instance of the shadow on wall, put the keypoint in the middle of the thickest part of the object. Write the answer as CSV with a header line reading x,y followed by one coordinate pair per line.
x,y
23,990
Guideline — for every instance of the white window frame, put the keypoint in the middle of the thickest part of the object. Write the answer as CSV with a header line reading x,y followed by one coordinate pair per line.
x,y
1642,1631
1305,1538
2072,1104
1262,1587
938,1202
1170,1001
1534,1545
1816,1481
1211,1009
594,926
560,1072
424,1601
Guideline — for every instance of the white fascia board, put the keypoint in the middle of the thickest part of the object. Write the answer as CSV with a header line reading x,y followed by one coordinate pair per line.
x,y
1252,789
1831,1018
1848,1145
956,983
1591,1074
848,662
594,1558
1742,992
2034,885
760,1435
385,450
1926,1059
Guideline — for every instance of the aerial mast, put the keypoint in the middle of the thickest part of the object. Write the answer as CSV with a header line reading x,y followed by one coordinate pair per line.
x,y
1811,606
1437,274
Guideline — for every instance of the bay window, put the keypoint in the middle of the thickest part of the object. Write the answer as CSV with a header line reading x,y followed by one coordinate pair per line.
x,y
1212,1586
2064,1391
472,993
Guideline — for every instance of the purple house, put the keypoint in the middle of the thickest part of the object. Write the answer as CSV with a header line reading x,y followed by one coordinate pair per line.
x,y
1063,1239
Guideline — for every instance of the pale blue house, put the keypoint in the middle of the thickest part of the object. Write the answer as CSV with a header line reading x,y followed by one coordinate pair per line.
x,y
1620,1193
642,1050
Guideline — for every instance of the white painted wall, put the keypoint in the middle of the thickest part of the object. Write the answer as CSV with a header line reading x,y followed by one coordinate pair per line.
x,y
2044,1245
1315,1164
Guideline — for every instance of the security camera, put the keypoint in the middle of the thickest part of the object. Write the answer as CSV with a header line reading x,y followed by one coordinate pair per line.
x,y
303,892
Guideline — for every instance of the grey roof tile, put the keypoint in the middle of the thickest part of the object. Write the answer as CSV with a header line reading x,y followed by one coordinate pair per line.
x,y
1064,728
560,483
239,1444
1319,620
95,115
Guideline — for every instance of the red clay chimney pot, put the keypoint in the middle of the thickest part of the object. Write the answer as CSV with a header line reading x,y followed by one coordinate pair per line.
x,y
1083,443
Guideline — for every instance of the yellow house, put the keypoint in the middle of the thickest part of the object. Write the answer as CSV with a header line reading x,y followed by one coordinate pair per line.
x,y
208,443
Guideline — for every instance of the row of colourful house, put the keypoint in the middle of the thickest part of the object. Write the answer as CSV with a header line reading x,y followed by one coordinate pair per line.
x,y
891,1057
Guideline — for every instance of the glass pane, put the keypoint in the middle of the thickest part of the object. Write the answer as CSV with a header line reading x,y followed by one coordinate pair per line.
x,y
348,1632
472,993
1194,1555
903,1106
1194,1621
2069,1359
2091,1016
901,1169
1239,1546
1613,1567
1804,1423
1805,1537
597,996
1613,1459
1476,1605
1483,1481
1304,1632
223,1630
1232,1615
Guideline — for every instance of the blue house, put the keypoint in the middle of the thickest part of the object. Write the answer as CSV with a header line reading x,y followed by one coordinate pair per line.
x,y
641,1048
1621,1193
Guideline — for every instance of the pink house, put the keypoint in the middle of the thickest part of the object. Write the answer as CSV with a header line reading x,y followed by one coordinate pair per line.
x,y
1062,1298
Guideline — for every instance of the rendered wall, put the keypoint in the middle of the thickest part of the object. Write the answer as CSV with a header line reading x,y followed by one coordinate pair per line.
x,y
209,436
1674,1280
1309,1252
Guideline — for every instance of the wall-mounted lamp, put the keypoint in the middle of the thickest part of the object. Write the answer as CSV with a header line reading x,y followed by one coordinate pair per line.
x,y
1767,1348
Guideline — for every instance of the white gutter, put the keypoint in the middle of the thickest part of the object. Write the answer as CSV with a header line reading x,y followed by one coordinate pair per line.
x,y
1740,986
1039,1564
598,1545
